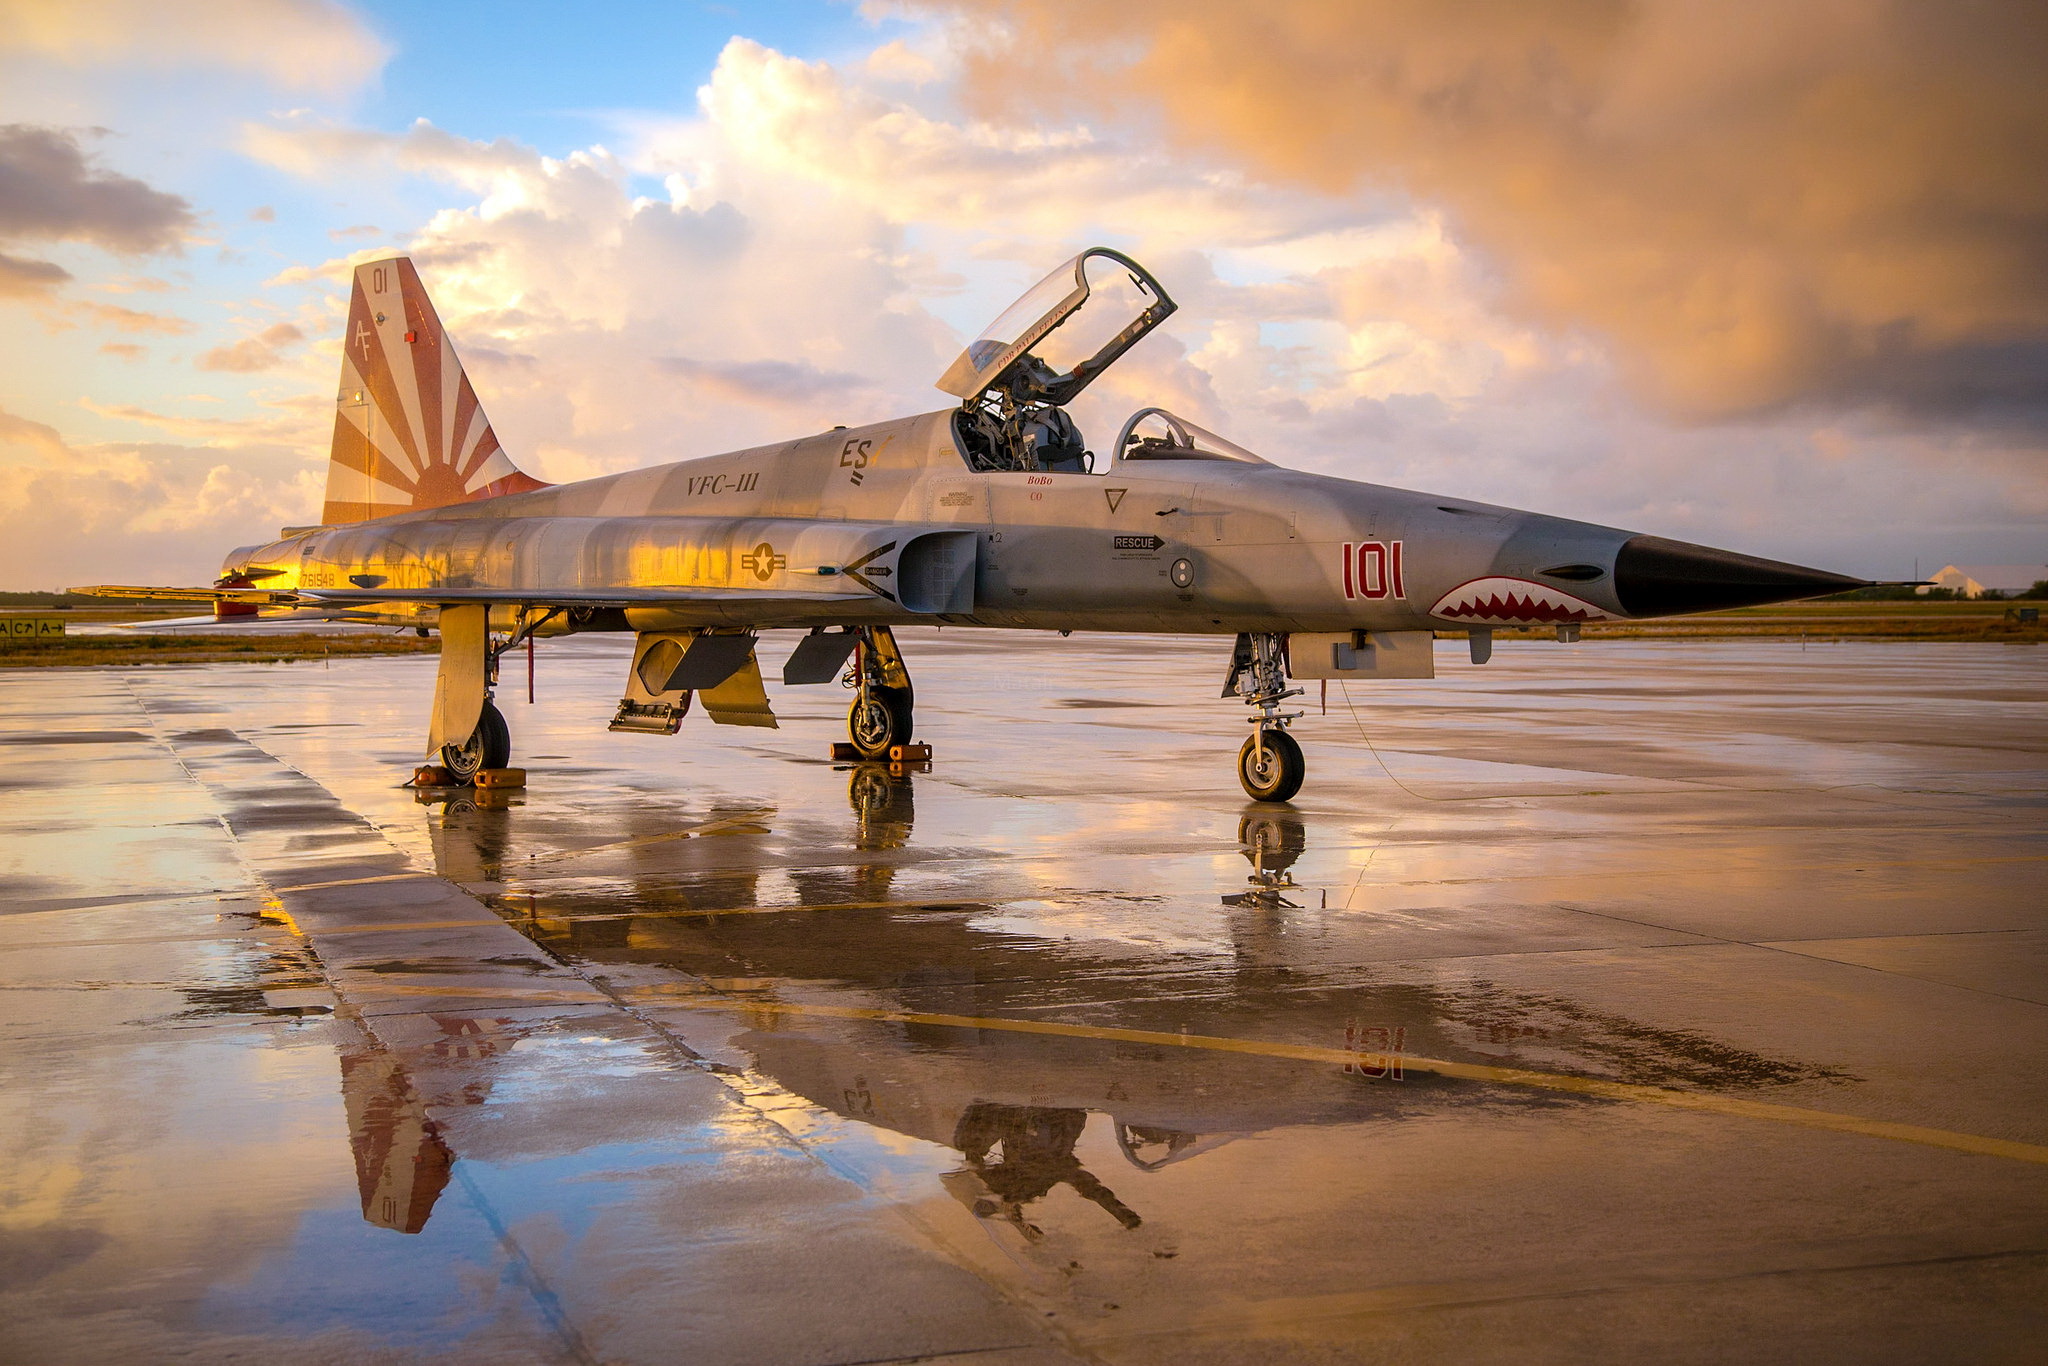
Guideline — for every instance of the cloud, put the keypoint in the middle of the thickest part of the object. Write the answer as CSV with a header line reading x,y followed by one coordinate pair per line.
x,y
295,423
127,351
260,352
21,278
770,382
1754,204
824,237
293,44
135,511
50,192
35,436
132,320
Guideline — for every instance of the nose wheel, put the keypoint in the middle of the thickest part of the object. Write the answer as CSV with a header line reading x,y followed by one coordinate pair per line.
x,y
1270,766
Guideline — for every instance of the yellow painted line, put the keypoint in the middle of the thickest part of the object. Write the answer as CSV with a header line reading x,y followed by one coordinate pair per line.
x,y
1465,1071
356,881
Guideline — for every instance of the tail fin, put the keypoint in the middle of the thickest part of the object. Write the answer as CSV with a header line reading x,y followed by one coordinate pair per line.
x,y
408,431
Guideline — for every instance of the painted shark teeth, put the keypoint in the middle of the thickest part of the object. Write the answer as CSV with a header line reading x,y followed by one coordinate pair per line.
x,y
1504,600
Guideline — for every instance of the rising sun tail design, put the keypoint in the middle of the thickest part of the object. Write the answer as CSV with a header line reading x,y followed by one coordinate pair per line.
x,y
408,430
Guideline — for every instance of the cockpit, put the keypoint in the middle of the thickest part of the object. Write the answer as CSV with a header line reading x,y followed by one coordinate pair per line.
x,y
1155,434
1015,380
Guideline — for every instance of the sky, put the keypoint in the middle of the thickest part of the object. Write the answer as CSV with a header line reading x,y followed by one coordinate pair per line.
x,y
1767,277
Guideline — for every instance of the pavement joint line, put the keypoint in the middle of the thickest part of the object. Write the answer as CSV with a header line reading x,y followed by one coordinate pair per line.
x,y
371,993
517,917
326,931
1799,1116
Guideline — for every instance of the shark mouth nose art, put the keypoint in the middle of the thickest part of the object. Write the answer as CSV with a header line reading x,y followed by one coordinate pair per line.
x,y
1506,600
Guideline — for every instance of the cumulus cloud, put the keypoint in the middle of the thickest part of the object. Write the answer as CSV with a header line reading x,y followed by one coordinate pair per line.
x,y
153,512
293,44
608,329
259,352
1754,203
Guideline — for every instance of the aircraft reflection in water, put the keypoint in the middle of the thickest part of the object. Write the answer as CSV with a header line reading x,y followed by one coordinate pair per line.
x,y
1018,1107
403,1155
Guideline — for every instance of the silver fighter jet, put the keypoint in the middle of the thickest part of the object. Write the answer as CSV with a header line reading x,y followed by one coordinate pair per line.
x,y
993,513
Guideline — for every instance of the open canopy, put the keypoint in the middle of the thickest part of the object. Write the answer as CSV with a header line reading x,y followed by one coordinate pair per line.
x,y
1046,347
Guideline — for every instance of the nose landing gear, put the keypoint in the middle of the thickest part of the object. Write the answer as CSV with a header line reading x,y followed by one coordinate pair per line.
x,y
1269,765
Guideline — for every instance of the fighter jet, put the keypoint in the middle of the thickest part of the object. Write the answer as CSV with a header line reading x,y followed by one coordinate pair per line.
x,y
996,512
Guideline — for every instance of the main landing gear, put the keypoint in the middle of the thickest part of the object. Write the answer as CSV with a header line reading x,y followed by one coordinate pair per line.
x,y
488,746
462,693
881,713
1269,765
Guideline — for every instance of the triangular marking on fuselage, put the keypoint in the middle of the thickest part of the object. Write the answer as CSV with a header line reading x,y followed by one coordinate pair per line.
x,y
1115,497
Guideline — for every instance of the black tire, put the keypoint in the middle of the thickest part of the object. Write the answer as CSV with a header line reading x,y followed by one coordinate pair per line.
x,y
879,720
1279,777
488,746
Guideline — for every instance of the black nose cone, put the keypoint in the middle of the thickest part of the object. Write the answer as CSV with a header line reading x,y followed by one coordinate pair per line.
x,y
1654,577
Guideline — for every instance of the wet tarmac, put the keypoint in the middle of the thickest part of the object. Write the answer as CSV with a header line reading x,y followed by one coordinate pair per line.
x,y
1613,1002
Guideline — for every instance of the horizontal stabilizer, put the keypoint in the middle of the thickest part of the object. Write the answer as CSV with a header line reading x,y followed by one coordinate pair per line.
x,y
260,597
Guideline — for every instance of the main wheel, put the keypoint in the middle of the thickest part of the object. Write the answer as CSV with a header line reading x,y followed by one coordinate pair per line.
x,y
879,720
1271,772
488,746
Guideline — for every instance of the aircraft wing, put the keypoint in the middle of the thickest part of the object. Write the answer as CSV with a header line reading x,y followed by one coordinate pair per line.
x,y
510,597
577,597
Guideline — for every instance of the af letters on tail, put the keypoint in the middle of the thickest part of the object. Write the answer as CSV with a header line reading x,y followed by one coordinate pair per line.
x,y
997,512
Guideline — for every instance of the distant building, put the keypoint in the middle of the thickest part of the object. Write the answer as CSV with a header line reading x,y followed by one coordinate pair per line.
x,y
1975,580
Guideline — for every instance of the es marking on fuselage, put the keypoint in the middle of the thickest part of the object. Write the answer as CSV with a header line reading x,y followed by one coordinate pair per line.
x,y
1136,547
858,453
1372,569
1115,497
